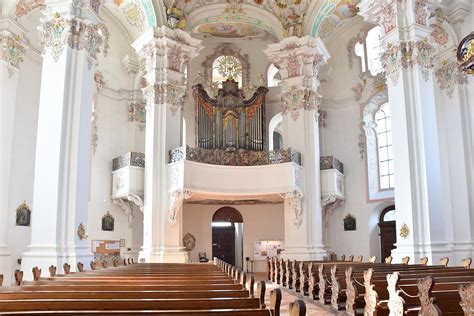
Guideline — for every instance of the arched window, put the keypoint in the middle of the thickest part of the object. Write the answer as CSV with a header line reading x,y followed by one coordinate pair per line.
x,y
369,51
384,145
378,140
226,67
273,76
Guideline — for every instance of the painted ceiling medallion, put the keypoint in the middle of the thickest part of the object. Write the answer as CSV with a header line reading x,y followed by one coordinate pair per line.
x,y
230,30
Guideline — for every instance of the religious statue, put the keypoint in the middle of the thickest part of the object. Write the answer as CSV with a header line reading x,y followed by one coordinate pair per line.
x,y
176,17
294,23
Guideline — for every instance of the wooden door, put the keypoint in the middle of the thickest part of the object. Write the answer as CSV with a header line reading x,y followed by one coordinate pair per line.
x,y
223,243
388,237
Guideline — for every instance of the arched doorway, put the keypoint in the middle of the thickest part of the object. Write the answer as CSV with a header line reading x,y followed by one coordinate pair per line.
x,y
388,231
227,235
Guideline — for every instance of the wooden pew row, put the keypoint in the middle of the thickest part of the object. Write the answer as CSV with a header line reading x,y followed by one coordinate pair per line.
x,y
58,303
450,280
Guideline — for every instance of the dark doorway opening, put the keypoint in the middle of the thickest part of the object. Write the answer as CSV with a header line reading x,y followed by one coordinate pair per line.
x,y
227,238
388,232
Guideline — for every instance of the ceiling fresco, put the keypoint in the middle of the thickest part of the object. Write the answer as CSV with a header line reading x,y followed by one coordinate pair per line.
x,y
230,30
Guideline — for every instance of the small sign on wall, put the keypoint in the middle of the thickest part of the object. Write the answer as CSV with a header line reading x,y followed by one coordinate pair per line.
x,y
266,248
350,222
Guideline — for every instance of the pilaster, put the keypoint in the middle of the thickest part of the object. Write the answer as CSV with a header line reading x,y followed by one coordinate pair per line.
x,y
420,192
71,36
164,54
299,60
12,50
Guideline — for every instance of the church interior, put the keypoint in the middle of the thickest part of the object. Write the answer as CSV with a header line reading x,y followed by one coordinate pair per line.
x,y
318,149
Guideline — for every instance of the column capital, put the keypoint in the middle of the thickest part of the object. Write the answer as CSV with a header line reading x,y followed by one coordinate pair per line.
x,y
58,30
400,20
294,54
163,54
13,44
162,48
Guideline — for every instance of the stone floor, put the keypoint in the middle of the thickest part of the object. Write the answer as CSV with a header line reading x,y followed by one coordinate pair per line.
x,y
312,307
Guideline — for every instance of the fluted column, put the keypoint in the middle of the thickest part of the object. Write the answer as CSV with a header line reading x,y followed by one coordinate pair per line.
x,y
420,190
12,50
299,60
71,38
165,53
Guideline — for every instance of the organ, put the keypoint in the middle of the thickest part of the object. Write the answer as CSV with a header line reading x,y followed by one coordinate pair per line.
x,y
229,121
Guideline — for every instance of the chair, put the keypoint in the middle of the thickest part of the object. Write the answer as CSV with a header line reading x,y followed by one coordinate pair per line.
x,y
203,257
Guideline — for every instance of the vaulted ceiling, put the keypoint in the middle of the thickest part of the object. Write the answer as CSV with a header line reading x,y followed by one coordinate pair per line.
x,y
267,20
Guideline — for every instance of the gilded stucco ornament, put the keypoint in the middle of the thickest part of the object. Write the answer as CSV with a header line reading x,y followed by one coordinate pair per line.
x,y
390,60
465,54
57,31
54,32
424,57
171,93
293,100
81,232
12,50
404,231
448,76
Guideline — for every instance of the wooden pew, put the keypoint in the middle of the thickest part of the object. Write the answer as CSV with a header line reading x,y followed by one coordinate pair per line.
x,y
66,297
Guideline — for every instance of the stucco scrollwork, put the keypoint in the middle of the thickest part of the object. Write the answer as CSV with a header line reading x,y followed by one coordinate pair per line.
x,y
171,94
293,198
127,208
177,198
57,31
330,202
137,200
448,76
12,50
54,32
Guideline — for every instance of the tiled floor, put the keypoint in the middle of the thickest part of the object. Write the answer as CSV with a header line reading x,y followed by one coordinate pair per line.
x,y
288,296
312,307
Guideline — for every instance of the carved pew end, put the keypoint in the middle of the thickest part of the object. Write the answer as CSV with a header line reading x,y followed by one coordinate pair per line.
x,y
52,271
1,279
275,302
297,308
261,287
18,277
36,273
80,267
67,268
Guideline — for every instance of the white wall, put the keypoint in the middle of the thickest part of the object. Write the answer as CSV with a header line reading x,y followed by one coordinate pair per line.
x,y
23,155
261,222
117,136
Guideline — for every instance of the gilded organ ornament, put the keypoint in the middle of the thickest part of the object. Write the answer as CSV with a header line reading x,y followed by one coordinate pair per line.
x,y
465,54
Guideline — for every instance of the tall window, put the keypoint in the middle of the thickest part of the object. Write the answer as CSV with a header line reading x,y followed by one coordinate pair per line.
x,y
379,151
226,67
273,76
369,51
384,144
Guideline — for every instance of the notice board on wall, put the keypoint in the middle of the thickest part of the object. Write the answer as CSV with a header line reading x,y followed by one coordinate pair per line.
x,y
106,247
266,248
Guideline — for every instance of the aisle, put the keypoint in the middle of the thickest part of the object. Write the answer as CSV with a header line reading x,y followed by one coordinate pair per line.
x,y
312,307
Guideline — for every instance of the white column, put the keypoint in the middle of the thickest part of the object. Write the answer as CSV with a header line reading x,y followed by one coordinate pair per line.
x,y
61,184
298,60
11,54
420,190
165,53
